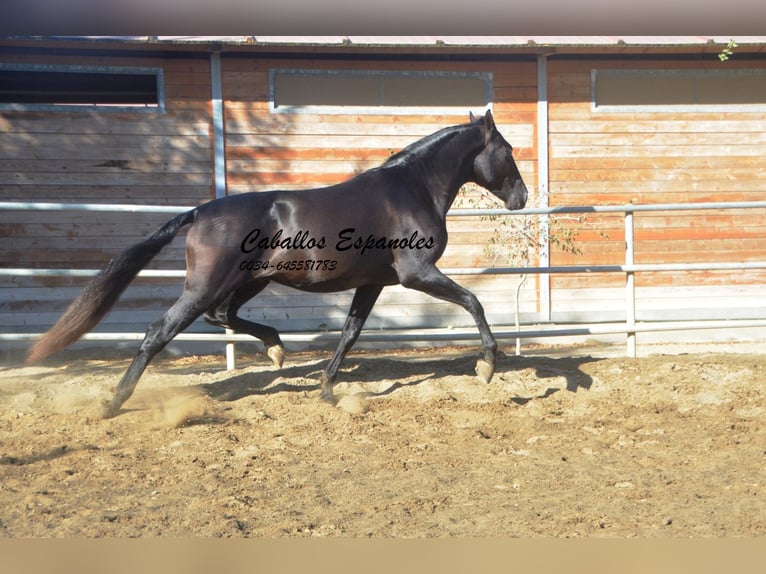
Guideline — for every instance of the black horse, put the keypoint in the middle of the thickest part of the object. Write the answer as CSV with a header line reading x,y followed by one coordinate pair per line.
x,y
384,226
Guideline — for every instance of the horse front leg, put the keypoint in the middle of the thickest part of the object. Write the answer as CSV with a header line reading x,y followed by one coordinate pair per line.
x,y
433,282
362,304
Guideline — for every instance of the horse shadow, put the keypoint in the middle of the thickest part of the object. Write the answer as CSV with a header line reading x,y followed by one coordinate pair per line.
x,y
306,377
47,456
553,368
245,385
355,370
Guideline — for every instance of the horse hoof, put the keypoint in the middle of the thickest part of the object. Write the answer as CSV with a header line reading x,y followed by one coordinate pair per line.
x,y
328,397
108,410
484,370
277,355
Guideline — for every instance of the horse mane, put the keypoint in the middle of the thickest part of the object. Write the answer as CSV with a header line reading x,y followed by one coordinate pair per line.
x,y
417,149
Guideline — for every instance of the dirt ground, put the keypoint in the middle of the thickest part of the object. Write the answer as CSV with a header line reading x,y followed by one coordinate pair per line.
x,y
562,443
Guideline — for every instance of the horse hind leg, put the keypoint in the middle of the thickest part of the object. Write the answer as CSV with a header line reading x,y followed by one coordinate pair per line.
x,y
362,304
181,314
225,315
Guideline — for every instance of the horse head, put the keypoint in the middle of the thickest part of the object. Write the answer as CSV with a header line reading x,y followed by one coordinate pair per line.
x,y
494,166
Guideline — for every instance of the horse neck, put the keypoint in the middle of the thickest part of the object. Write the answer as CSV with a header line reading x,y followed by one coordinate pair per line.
x,y
447,167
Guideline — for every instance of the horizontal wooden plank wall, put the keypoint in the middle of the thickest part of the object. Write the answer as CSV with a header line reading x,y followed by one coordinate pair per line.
x,y
166,159
100,157
608,158
270,150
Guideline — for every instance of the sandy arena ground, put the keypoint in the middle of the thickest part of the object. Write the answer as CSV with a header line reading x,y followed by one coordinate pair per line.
x,y
560,444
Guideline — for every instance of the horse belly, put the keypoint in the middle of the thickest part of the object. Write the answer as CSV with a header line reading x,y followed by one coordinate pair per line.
x,y
333,273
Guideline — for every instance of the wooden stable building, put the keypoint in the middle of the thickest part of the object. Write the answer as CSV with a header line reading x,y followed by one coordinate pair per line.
x,y
594,121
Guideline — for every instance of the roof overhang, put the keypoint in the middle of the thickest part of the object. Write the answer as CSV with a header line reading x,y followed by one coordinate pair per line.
x,y
509,45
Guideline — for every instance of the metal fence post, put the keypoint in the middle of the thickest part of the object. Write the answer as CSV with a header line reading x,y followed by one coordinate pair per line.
x,y
630,286
219,156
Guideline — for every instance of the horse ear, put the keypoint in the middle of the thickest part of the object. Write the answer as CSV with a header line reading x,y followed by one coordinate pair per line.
x,y
489,121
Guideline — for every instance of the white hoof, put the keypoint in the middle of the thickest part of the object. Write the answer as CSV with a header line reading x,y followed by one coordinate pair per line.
x,y
484,371
277,355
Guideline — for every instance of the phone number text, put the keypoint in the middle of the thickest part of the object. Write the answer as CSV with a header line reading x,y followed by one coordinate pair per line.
x,y
290,265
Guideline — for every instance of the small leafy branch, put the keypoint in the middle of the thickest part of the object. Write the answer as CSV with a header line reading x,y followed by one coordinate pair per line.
x,y
517,240
728,51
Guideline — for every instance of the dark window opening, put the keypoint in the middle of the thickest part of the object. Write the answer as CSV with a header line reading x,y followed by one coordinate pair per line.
x,y
79,88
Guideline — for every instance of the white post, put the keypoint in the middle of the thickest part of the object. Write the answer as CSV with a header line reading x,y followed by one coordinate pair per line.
x,y
630,286
542,181
219,158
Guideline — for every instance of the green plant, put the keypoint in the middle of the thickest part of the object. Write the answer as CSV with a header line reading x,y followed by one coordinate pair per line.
x,y
728,51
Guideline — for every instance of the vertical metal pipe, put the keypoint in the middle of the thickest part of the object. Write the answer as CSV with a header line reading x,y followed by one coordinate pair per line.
x,y
219,146
630,287
543,173
219,159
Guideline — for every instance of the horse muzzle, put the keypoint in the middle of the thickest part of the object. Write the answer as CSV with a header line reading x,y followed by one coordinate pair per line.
x,y
516,194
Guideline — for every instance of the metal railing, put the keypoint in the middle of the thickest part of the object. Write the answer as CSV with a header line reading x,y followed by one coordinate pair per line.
x,y
630,327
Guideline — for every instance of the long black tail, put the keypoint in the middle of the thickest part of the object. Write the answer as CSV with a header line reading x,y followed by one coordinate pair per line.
x,y
100,294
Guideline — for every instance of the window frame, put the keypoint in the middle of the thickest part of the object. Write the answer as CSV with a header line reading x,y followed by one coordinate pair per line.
x,y
487,77
159,74
684,108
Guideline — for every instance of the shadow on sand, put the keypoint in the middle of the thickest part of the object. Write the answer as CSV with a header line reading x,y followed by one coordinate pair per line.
x,y
305,377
